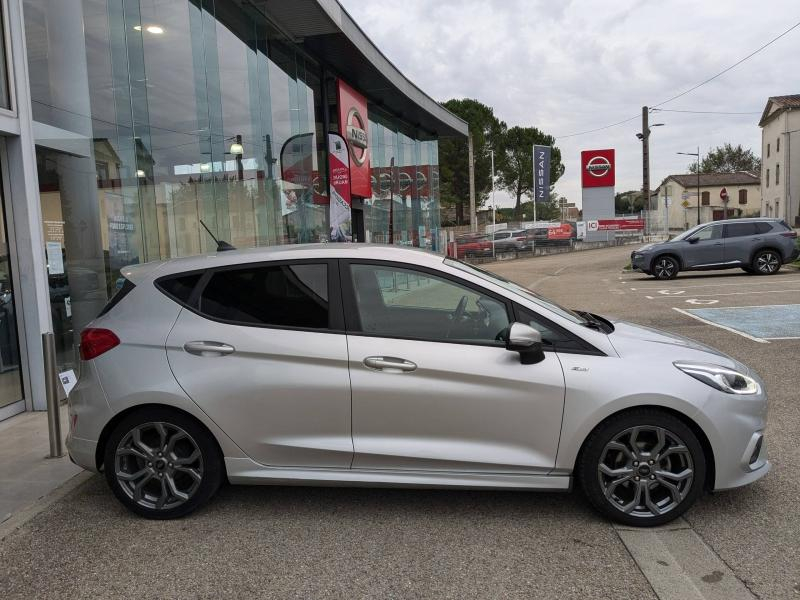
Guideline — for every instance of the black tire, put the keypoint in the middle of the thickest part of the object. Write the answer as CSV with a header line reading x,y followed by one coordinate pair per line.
x,y
665,267
185,438
595,483
767,262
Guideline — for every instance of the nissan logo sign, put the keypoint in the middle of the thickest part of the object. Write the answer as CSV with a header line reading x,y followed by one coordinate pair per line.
x,y
357,136
598,166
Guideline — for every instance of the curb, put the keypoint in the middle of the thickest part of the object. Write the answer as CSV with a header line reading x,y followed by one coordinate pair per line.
x,y
22,516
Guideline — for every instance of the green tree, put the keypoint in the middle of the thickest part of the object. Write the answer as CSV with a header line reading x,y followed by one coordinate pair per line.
x,y
487,131
728,159
515,170
628,202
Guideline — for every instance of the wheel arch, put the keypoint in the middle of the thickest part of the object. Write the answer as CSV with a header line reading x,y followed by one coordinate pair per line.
x,y
667,253
705,443
117,418
761,249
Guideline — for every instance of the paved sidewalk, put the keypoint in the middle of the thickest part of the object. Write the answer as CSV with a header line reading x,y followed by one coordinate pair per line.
x,y
25,473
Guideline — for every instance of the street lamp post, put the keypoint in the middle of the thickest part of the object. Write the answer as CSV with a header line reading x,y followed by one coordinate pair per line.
x,y
697,154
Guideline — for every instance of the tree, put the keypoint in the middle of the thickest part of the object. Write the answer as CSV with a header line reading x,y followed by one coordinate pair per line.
x,y
487,131
628,202
728,159
515,170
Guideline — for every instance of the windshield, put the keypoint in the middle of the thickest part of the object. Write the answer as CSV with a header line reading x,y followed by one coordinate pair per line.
x,y
517,289
688,233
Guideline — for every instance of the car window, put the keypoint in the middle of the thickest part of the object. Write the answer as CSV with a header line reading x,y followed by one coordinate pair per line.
x,y
179,287
552,336
400,302
763,227
279,295
712,232
740,229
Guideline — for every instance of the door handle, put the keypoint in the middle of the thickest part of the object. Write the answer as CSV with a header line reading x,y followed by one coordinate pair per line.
x,y
718,244
208,348
389,364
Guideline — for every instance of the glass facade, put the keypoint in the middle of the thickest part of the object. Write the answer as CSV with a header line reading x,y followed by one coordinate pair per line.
x,y
190,111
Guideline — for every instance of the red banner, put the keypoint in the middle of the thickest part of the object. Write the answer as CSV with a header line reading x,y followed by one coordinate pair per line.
x,y
620,224
561,232
354,127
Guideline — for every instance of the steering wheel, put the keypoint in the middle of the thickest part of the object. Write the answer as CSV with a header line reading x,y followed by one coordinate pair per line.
x,y
457,314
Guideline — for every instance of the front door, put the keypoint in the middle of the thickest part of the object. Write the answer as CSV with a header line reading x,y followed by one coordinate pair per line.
x,y
262,357
433,387
707,250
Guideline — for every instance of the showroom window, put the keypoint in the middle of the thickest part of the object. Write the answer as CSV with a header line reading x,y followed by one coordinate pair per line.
x,y
399,302
281,296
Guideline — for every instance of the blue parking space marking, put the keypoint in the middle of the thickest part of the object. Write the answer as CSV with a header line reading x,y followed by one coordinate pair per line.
x,y
771,322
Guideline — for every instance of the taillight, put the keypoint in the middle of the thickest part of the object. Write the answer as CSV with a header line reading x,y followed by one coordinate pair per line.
x,y
95,342
791,234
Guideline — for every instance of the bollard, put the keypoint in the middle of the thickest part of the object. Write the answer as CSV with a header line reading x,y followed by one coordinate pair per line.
x,y
51,384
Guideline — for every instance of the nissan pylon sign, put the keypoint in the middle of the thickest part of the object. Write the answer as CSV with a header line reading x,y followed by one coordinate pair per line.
x,y
597,168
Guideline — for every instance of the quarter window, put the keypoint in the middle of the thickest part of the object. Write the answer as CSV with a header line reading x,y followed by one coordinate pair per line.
x,y
399,302
552,337
280,295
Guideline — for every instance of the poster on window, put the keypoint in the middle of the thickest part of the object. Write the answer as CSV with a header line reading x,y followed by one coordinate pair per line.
x,y
339,166
297,172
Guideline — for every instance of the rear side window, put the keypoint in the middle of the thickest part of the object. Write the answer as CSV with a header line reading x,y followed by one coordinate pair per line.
x,y
124,287
740,229
763,227
180,288
280,295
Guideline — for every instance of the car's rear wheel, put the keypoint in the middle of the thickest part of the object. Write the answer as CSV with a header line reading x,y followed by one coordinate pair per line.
x,y
767,262
665,267
643,467
162,464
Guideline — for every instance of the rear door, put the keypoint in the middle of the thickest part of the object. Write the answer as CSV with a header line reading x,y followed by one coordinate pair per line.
x,y
740,240
433,386
261,349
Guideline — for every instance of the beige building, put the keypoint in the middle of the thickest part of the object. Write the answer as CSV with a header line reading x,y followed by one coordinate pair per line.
x,y
780,171
680,193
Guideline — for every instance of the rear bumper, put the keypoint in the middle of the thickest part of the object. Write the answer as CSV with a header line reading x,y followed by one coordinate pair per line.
x,y
793,255
82,452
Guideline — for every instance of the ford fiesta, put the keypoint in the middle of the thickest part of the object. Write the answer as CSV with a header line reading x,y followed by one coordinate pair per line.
x,y
377,366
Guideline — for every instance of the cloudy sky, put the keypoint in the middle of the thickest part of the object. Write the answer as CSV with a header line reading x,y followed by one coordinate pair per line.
x,y
571,66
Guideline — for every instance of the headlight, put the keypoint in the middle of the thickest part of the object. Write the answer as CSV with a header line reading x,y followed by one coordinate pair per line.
x,y
721,378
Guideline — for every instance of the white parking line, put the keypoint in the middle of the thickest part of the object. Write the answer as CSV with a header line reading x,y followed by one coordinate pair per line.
x,y
727,294
731,329
653,287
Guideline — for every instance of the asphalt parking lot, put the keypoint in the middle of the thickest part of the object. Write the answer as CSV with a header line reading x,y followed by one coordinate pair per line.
x,y
359,543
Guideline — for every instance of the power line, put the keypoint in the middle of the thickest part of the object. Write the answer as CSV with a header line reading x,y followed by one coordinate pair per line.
x,y
707,112
691,89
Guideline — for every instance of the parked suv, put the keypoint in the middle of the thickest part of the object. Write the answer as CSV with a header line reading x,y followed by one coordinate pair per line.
x,y
757,246
350,364
509,240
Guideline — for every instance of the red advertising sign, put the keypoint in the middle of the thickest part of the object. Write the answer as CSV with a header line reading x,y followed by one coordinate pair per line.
x,y
341,201
353,126
597,168
561,232
620,224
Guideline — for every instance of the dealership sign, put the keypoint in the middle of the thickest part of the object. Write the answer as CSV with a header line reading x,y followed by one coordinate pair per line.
x,y
354,127
541,173
597,168
615,225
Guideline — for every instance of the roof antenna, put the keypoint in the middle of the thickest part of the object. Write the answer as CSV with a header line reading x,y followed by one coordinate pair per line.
x,y
222,245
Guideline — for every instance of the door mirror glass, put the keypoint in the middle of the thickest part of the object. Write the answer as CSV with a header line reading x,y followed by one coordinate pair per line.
x,y
527,341
693,240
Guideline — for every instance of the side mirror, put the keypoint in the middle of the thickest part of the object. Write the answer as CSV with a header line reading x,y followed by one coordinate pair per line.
x,y
527,341
693,240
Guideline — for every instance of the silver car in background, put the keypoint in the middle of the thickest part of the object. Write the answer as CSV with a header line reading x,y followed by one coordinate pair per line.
x,y
343,364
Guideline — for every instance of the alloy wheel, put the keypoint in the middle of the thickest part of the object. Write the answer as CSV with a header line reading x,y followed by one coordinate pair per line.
x,y
158,465
664,268
767,262
645,471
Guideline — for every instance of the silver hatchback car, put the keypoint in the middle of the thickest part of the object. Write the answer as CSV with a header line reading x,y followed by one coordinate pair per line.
x,y
344,364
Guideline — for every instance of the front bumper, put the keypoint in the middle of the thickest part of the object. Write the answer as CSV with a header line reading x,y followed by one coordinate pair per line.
x,y
640,261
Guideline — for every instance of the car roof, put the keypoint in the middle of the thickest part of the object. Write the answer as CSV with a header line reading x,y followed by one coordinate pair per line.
x,y
413,256
746,220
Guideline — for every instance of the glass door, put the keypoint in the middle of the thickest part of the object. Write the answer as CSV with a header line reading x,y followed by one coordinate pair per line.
x,y
10,371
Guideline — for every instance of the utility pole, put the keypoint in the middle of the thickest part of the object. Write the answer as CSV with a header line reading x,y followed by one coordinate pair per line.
x,y
494,207
473,218
646,159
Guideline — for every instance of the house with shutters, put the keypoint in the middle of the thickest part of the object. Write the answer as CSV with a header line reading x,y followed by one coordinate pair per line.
x,y
780,171
677,196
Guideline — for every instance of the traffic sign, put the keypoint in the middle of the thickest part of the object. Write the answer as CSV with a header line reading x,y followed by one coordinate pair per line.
x,y
723,193
685,195
685,204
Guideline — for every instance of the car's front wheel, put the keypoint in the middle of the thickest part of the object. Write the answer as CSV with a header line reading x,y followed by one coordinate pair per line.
x,y
162,464
665,267
767,262
644,467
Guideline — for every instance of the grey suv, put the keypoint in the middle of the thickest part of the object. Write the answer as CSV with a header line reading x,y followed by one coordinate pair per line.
x,y
757,246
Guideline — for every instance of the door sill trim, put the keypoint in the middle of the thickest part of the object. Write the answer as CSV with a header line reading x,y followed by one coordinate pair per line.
x,y
247,471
